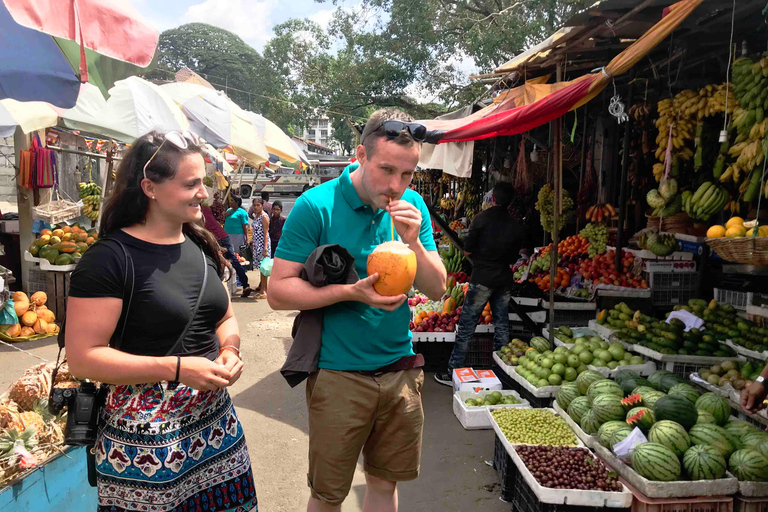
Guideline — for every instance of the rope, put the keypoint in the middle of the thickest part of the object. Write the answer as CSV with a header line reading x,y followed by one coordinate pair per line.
x,y
760,191
728,69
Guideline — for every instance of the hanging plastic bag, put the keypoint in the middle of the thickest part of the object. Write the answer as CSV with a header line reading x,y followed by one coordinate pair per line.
x,y
266,266
624,449
8,314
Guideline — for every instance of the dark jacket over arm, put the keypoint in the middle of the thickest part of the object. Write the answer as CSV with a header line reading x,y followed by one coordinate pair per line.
x,y
328,264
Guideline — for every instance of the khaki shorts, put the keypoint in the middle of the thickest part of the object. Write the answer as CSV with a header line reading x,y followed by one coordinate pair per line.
x,y
349,413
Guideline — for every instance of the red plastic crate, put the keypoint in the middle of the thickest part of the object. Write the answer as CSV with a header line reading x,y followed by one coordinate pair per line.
x,y
744,504
641,503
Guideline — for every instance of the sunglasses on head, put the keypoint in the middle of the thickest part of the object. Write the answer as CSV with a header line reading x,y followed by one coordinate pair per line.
x,y
393,129
181,140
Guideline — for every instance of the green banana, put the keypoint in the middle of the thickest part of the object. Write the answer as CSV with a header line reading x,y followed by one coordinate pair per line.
x,y
704,199
701,190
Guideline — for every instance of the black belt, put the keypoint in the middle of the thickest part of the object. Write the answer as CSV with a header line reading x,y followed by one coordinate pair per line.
x,y
404,363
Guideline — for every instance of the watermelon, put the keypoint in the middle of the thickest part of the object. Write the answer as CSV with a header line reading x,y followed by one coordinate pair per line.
x,y
585,379
752,439
656,462
649,399
704,462
739,428
578,408
712,435
676,409
763,448
589,423
735,440
606,431
670,381
685,391
623,375
620,435
539,343
670,434
629,385
655,378
566,394
705,417
715,405
642,390
749,465
604,387
632,401
607,408
641,417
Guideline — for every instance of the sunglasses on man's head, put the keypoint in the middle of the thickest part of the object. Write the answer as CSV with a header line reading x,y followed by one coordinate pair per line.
x,y
393,129
179,139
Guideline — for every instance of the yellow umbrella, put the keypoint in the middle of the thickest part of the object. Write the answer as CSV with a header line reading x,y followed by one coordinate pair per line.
x,y
275,139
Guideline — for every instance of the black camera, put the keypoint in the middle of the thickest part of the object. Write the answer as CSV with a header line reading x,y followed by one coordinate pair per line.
x,y
82,412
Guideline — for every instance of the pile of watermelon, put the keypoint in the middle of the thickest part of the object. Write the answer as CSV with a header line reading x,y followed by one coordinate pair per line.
x,y
691,436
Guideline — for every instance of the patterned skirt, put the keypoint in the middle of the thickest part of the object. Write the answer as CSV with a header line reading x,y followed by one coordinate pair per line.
x,y
164,449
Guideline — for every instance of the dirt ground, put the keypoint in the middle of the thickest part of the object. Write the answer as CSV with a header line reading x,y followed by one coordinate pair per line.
x,y
455,475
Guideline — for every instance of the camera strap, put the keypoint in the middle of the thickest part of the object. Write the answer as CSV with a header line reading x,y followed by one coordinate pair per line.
x,y
180,341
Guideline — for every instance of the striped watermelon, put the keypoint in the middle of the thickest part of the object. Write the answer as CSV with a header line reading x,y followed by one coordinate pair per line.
x,y
670,381
589,423
656,462
567,392
578,408
655,378
712,435
715,405
585,379
749,465
641,417
752,439
763,449
704,462
705,417
607,407
603,387
670,434
642,390
677,409
606,431
632,401
685,391
620,435
739,428
650,399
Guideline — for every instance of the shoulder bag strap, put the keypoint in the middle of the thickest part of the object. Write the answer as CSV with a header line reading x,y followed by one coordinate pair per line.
x,y
180,341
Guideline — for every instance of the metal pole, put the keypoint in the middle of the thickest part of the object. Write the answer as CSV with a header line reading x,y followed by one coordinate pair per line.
x,y
623,182
557,154
583,158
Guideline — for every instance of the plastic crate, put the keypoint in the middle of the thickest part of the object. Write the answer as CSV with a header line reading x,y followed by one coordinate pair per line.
x,y
642,503
519,330
505,469
436,354
684,369
56,287
480,353
571,317
744,504
739,300
672,288
507,382
525,500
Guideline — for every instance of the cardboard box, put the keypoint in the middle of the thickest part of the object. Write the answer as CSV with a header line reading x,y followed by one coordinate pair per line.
x,y
467,379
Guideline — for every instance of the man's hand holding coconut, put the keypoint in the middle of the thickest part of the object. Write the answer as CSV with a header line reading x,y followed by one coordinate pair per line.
x,y
366,395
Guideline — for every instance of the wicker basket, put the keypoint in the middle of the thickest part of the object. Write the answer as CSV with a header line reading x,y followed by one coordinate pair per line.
x,y
747,250
57,211
680,223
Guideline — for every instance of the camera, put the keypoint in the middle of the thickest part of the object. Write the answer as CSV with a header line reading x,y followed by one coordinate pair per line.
x,y
82,412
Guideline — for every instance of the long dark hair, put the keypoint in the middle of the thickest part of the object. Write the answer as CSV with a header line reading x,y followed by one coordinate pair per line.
x,y
128,203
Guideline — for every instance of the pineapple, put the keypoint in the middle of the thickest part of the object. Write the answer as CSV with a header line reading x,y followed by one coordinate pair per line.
x,y
9,415
32,386
13,444
32,419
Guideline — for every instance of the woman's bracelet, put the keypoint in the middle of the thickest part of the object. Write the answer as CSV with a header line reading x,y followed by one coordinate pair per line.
x,y
231,347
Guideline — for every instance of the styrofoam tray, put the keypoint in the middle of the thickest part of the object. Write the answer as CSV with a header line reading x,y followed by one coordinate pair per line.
x,y
510,446
526,301
578,332
609,290
475,418
677,489
726,391
760,356
753,489
644,369
601,330
573,497
670,358
537,317
542,392
434,336
46,265
588,439
573,306
504,366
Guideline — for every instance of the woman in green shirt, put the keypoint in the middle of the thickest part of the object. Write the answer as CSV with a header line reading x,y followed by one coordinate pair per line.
x,y
236,222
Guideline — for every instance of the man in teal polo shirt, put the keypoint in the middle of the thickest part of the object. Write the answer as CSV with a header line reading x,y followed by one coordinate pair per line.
x,y
356,402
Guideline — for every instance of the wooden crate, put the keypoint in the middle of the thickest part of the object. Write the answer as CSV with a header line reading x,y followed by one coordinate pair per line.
x,y
55,285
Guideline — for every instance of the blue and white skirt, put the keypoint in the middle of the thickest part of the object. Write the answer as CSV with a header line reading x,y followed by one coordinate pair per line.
x,y
164,449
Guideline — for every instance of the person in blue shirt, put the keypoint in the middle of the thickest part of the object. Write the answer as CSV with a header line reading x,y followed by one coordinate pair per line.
x,y
365,397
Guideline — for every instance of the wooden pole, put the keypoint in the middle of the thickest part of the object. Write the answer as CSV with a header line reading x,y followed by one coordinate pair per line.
x,y
26,201
557,154
623,182
583,160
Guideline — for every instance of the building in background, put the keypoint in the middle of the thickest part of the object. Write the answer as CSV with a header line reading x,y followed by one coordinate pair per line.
x,y
320,131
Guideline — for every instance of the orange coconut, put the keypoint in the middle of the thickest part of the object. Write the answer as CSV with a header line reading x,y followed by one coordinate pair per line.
x,y
396,265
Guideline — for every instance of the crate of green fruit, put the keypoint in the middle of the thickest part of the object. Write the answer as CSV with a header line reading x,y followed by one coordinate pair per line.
x,y
530,426
469,407
589,440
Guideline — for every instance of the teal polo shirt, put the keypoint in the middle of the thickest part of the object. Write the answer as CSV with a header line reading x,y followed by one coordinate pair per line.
x,y
355,336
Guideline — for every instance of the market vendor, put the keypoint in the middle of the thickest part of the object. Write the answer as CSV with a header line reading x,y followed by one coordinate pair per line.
x,y
494,242
366,348
753,395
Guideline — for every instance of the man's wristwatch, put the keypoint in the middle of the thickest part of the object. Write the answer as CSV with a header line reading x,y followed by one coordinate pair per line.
x,y
762,381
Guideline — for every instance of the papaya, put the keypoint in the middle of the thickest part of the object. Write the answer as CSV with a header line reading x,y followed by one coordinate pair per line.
x,y
81,246
33,250
601,317
449,305
51,256
44,250
66,247
63,259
